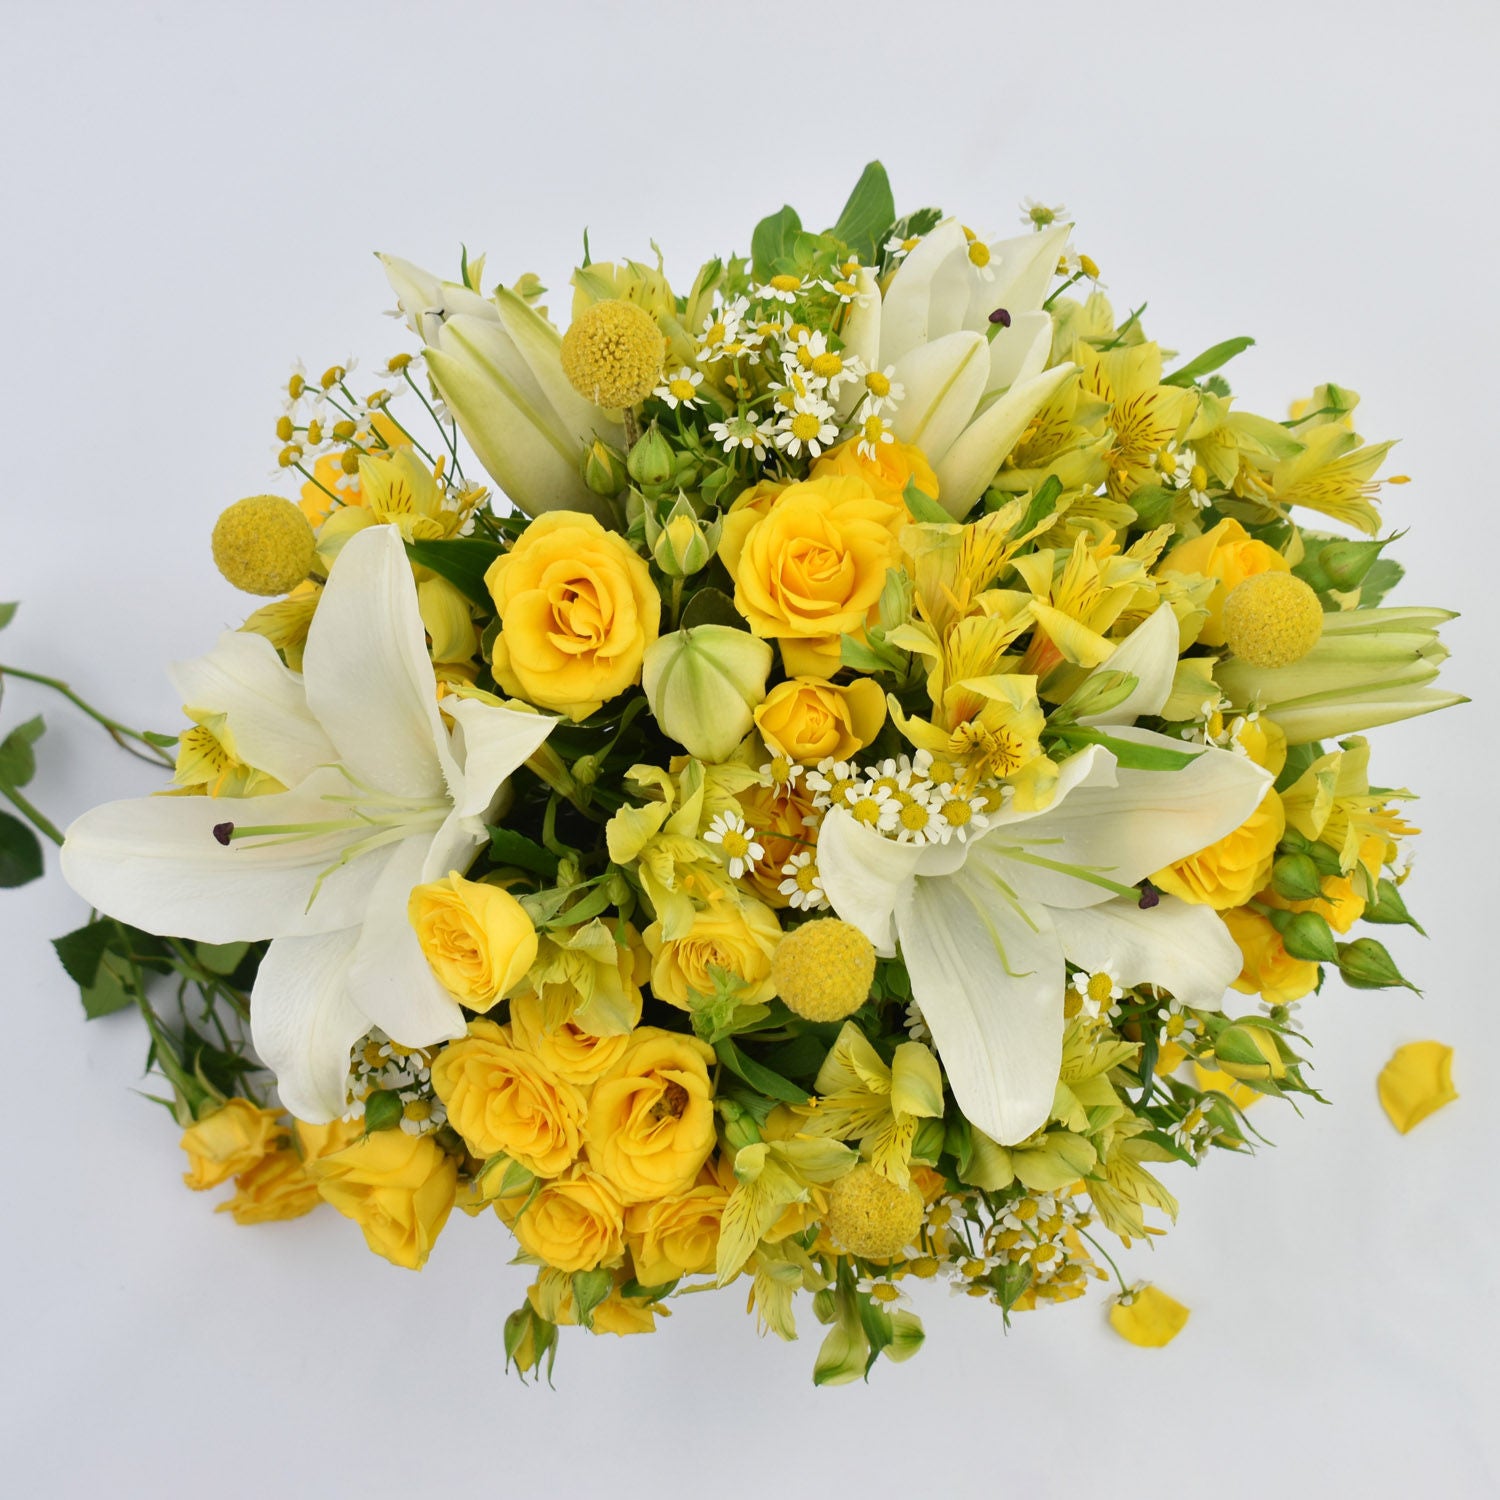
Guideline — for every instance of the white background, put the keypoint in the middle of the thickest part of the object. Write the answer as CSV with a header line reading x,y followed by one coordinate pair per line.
x,y
190,195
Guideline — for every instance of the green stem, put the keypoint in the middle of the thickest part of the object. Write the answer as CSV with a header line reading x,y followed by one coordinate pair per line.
x,y
1108,1257
312,478
38,820
115,729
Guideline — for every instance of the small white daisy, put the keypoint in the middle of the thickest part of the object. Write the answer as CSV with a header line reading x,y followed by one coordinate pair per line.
x,y
743,431
898,248
1098,990
680,388
873,431
784,288
882,389
1038,215
809,424
737,844
802,885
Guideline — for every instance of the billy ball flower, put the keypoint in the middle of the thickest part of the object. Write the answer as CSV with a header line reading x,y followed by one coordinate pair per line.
x,y
612,353
823,970
263,545
869,1216
1272,619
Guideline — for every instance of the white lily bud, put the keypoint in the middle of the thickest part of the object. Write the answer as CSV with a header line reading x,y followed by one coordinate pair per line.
x,y
703,684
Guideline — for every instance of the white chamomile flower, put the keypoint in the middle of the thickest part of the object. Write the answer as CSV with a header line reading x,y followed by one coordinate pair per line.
x,y
979,255
873,431
916,1023
1038,215
737,844
809,424
882,389
960,816
831,782
844,286
720,329
680,388
883,1292
831,368
898,248
873,805
780,773
1098,990
802,885
783,288
743,431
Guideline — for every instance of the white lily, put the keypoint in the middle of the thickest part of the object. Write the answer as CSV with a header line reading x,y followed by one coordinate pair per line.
x,y
382,797
971,388
499,368
984,926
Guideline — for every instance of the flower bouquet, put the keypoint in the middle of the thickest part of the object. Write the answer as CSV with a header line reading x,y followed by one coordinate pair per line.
x,y
864,795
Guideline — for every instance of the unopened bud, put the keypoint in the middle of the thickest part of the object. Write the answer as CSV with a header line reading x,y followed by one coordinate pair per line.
x,y
681,545
740,1129
1294,877
383,1110
604,469
1249,1053
1305,935
650,462
1364,964
702,685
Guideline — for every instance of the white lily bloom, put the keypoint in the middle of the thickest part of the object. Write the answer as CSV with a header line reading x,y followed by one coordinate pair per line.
x,y
984,926
498,365
382,797
971,388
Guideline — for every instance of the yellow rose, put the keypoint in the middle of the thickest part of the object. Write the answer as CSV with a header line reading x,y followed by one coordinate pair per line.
x,y
812,568
575,1224
276,1187
676,1236
779,817
807,719
1269,970
571,1053
1229,872
477,937
738,936
577,608
1229,555
398,1188
651,1117
894,466
229,1141
500,1098
750,506
315,1141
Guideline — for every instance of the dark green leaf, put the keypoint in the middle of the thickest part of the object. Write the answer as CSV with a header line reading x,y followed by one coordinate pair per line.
x,y
1043,503
511,848
868,215
20,853
17,758
1298,759
710,606
758,1076
81,950
462,560
772,242
1208,361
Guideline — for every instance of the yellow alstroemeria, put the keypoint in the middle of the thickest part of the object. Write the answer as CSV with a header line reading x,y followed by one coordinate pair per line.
x,y
208,764
860,1097
1416,1082
1147,1317
400,490
1334,472
1145,415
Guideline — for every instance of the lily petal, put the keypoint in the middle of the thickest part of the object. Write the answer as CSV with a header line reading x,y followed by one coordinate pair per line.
x,y
154,862
265,704
1149,654
864,875
1023,268
989,982
303,1022
368,677
1183,948
944,381
493,743
928,295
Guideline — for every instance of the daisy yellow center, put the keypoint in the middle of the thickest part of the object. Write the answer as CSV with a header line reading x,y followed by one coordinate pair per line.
x,y
796,332
416,1110
806,878
372,1055
736,845
883,1291
979,253
681,388
781,769
806,425
866,810
877,384
957,812
715,334
845,288
874,429
785,283
803,357
1101,987
1272,619
787,399
612,353
826,366
915,817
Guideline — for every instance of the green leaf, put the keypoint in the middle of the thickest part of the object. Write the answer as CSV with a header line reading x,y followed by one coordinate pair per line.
x,y
221,958
1383,576
924,509
1043,503
7,614
20,853
462,560
162,741
508,847
81,950
1208,361
17,758
590,1288
106,994
1131,756
772,242
868,215
710,606
757,1075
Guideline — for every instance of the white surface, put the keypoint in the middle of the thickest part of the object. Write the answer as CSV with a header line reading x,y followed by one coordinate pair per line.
x,y
191,195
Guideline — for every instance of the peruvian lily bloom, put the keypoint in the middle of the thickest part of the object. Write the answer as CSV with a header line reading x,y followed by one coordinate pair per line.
x,y
382,797
969,343
984,927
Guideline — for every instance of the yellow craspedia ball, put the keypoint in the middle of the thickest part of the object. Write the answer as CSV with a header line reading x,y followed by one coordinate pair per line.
x,y
823,969
869,1216
1272,619
612,354
263,545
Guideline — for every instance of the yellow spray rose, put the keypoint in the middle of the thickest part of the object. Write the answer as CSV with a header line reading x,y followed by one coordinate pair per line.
x,y
1229,555
676,1236
812,568
807,719
575,1224
737,936
398,1188
315,1141
577,608
1269,970
651,1117
477,937
500,1098
229,1141
572,1054
276,1187
1230,871
893,467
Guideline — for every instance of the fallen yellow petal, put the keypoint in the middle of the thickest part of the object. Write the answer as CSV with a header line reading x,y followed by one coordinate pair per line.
x,y
1416,1081
1147,1317
1214,1080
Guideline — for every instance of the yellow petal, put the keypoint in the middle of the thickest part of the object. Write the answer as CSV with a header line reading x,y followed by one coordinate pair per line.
x,y
1416,1081
1212,1080
1149,1318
